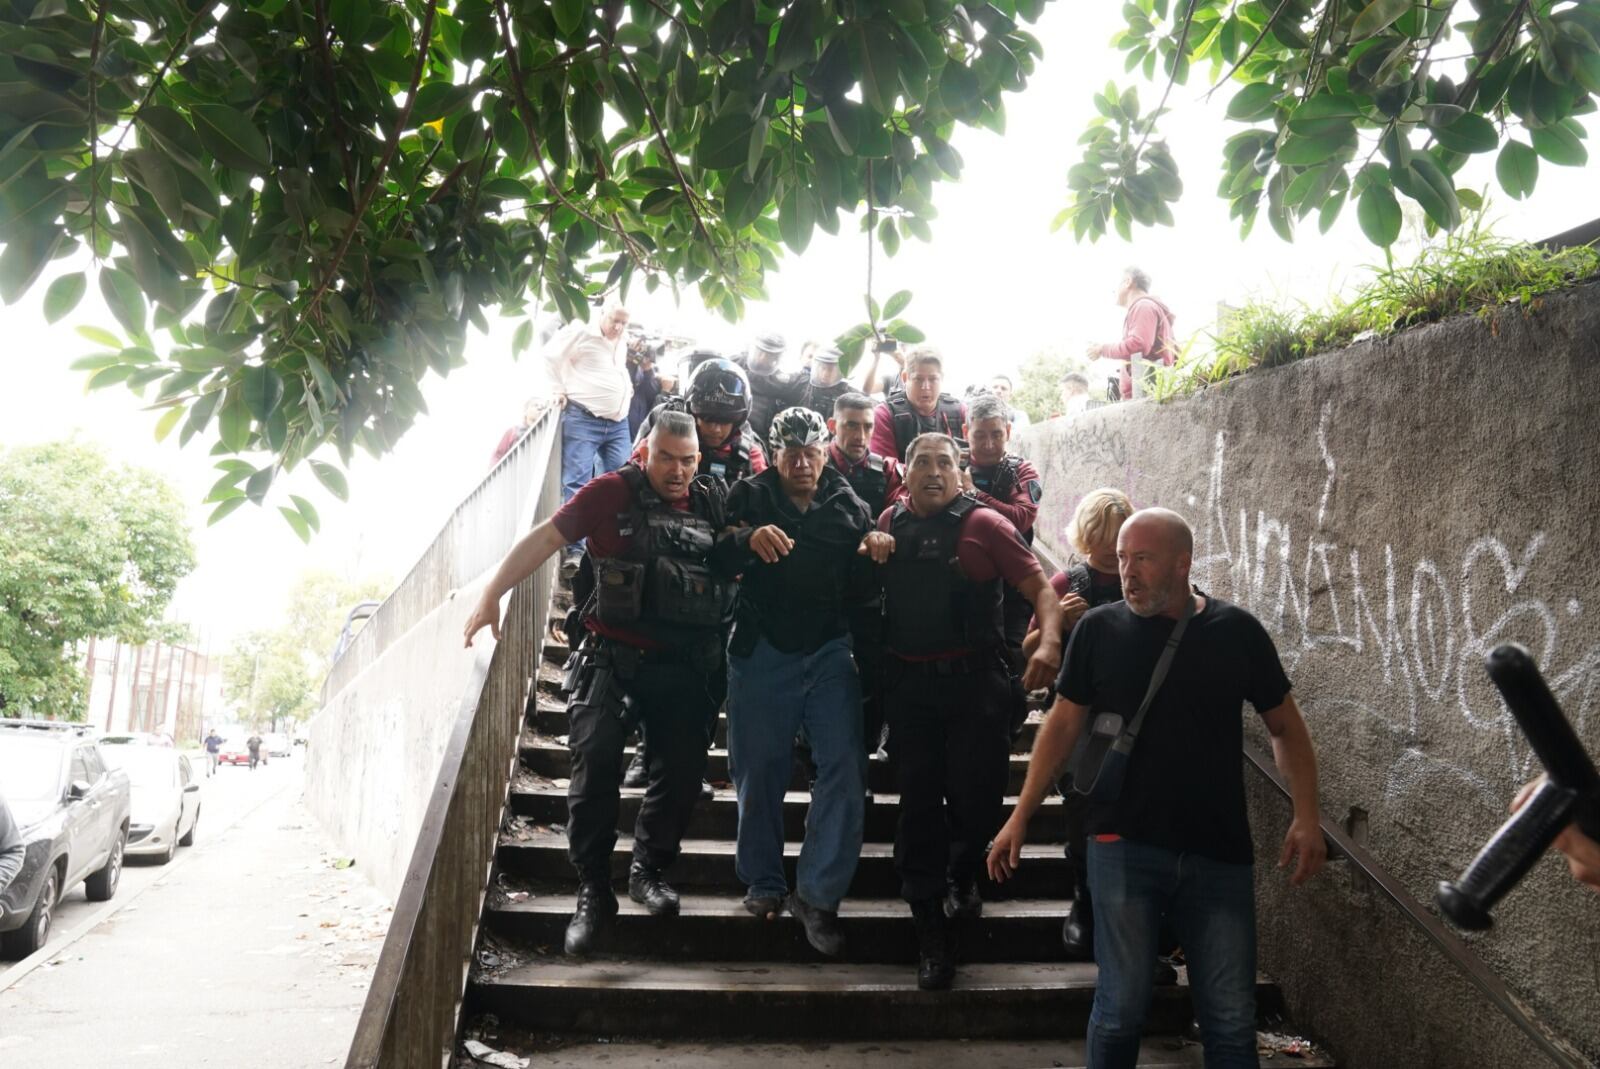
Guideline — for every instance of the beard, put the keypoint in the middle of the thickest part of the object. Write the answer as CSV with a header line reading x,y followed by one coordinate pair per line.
x,y
1153,601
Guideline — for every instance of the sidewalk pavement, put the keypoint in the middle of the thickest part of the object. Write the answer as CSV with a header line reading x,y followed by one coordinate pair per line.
x,y
252,951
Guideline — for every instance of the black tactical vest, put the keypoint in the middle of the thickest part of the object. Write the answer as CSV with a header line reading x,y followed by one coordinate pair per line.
x,y
770,393
730,461
820,399
932,607
908,422
798,603
999,481
870,481
662,586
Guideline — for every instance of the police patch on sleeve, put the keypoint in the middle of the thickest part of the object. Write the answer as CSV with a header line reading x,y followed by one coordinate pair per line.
x,y
1035,491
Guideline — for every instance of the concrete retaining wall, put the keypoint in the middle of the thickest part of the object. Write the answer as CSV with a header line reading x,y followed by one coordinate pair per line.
x,y
375,746
1391,512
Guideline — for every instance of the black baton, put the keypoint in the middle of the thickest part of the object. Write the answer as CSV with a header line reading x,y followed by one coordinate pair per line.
x,y
1570,793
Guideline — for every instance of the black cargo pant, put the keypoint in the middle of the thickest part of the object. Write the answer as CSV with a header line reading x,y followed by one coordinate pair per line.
x,y
949,739
866,645
672,698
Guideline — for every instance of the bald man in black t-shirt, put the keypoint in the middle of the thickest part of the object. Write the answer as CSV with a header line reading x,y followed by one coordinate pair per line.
x,y
1175,841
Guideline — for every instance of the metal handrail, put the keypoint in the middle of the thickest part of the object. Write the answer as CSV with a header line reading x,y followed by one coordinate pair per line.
x,y
411,1014
1460,955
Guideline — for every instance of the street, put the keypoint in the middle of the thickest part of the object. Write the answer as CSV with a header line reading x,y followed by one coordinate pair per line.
x,y
250,948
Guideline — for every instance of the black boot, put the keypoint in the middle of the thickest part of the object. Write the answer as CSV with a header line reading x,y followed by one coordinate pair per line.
x,y
646,887
597,905
636,776
962,901
936,966
1077,932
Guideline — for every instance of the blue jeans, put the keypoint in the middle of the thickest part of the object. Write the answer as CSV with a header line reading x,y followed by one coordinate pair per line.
x,y
585,439
1211,907
772,696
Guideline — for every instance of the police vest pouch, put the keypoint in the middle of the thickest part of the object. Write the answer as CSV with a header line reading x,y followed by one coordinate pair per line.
x,y
619,591
1099,762
687,594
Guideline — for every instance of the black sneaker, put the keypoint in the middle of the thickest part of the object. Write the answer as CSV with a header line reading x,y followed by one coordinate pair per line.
x,y
936,964
637,775
821,925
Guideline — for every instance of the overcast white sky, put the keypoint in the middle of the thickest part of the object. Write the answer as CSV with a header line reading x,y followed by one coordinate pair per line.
x,y
994,287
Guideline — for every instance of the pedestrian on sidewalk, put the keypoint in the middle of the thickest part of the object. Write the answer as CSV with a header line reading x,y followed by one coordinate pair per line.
x,y
1147,340
790,672
1174,841
589,365
213,745
947,687
253,744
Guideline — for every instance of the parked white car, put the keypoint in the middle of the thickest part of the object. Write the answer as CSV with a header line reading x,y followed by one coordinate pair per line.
x,y
166,799
276,744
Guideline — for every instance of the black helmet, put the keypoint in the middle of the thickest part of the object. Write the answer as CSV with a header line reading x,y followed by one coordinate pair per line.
x,y
719,391
798,427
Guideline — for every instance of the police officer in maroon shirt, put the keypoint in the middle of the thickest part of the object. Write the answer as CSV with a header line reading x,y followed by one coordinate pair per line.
x,y
654,612
948,687
1010,485
876,480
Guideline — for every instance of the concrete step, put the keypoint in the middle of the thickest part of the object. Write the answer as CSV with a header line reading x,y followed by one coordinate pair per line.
x,y
549,717
544,756
770,1000
718,818
717,928
1157,1052
707,865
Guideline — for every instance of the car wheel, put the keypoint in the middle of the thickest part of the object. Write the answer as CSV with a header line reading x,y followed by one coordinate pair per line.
x,y
188,839
33,935
172,846
101,885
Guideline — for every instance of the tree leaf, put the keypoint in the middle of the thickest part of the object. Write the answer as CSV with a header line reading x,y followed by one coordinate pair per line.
x,y
231,138
1559,145
63,296
305,509
124,298
168,420
233,424
297,522
725,144
1468,133
262,390
1377,17
896,304
331,478
1379,214
1517,168
797,217
1254,102
225,509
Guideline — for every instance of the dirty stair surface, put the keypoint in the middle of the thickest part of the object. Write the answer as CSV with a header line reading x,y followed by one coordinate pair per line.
x,y
716,987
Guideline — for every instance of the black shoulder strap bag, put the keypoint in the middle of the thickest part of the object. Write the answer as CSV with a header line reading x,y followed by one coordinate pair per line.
x,y
1099,762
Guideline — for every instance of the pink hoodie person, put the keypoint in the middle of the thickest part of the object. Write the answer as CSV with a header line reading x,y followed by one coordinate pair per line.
x,y
1146,334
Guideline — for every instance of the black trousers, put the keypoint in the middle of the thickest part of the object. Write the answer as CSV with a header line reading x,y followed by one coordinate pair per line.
x,y
867,648
672,700
949,738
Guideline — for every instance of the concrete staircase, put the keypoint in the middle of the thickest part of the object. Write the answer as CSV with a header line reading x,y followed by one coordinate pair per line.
x,y
716,987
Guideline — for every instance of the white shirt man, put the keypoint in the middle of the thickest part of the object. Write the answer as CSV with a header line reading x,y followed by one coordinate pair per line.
x,y
589,365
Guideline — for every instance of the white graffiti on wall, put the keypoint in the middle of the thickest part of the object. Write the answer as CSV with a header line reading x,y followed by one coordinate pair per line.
x,y
1424,625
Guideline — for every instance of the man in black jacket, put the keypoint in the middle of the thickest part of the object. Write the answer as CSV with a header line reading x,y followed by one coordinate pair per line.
x,y
790,671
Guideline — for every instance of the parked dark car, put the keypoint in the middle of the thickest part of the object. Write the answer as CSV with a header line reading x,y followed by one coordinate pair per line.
x,y
73,813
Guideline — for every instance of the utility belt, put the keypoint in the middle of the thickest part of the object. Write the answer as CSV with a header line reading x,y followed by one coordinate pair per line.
x,y
665,591
600,671
986,660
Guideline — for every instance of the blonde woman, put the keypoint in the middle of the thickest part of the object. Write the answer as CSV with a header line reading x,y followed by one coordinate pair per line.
x,y
1093,580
